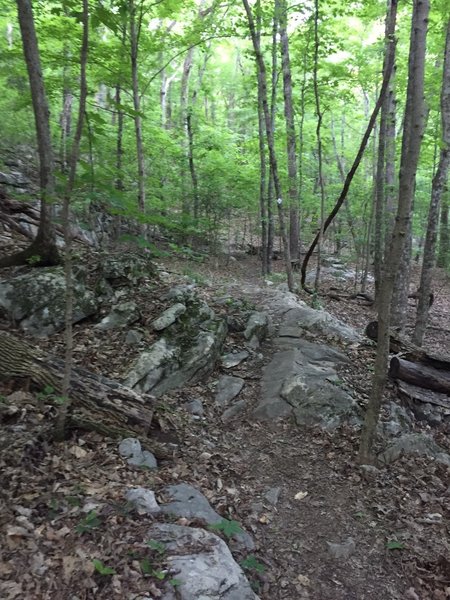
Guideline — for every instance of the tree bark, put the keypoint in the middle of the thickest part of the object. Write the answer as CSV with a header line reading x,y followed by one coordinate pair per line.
x,y
444,233
43,250
420,375
437,189
291,140
262,82
412,139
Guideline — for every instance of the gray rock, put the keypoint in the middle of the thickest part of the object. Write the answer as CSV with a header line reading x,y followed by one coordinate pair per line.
x,y
195,407
186,352
189,503
130,449
228,388
182,293
169,316
342,551
36,300
302,382
298,320
143,500
234,410
121,314
202,563
133,337
415,444
14,179
233,359
127,268
399,421
272,495
257,328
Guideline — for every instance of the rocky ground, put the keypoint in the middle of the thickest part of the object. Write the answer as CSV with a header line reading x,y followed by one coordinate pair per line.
x,y
273,468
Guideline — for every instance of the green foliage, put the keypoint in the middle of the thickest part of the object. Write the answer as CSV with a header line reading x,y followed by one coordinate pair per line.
x,y
251,563
89,522
158,547
395,545
228,528
101,568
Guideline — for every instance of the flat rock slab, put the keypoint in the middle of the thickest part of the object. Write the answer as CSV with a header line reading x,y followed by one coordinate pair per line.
x,y
298,320
233,359
228,388
418,444
203,565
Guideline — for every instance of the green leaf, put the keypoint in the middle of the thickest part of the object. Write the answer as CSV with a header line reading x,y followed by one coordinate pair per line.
x,y
159,547
252,563
175,582
395,545
228,528
101,568
146,566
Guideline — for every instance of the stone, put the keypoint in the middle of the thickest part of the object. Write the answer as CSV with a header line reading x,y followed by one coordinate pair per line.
x,y
195,407
130,449
182,292
188,502
127,268
203,564
257,328
233,359
121,314
342,551
36,300
169,316
298,320
234,410
228,388
133,337
272,495
143,500
412,444
303,382
185,353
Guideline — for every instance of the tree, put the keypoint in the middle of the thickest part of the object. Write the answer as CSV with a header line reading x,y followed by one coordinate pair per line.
x,y
43,250
438,186
412,137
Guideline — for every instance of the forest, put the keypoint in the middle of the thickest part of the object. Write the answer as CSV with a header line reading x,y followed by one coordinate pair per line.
x,y
224,299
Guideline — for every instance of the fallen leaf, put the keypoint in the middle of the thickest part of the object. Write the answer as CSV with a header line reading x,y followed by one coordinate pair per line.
x,y
300,495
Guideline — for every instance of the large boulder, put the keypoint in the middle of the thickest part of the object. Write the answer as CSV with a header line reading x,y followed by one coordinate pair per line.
x,y
186,352
127,269
36,300
303,319
202,564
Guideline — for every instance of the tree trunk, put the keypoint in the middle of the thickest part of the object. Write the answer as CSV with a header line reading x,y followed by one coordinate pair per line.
x,y
381,170
135,26
68,334
437,189
262,82
291,140
420,375
265,263
43,250
444,233
412,139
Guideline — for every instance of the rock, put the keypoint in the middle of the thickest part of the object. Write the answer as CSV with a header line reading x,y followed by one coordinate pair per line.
x,y
121,314
130,449
235,324
228,388
202,563
182,292
186,352
298,320
257,328
342,551
127,268
143,500
272,495
133,337
169,316
234,410
415,444
189,503
233,359
302,382
14,179
195,407
36,300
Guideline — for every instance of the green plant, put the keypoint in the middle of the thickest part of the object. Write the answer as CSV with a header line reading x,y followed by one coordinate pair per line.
x,y
33,260
395,545
251,563
101,568
90,521
158,547
228,528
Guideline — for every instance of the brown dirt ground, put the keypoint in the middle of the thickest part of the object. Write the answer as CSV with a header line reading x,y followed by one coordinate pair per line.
x,y
44,487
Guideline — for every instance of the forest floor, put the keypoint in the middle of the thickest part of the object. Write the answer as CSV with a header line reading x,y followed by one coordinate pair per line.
x,y
396,548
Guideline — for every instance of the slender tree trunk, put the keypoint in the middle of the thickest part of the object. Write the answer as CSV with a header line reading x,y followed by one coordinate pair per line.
x,y
291,140
381,171
43,249
135,25
439,180
444,233
75,151
265,264
262,81
411,143
319,144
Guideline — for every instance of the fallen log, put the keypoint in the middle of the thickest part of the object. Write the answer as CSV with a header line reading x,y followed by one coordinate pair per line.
x,y
400,345
97,403
420,375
